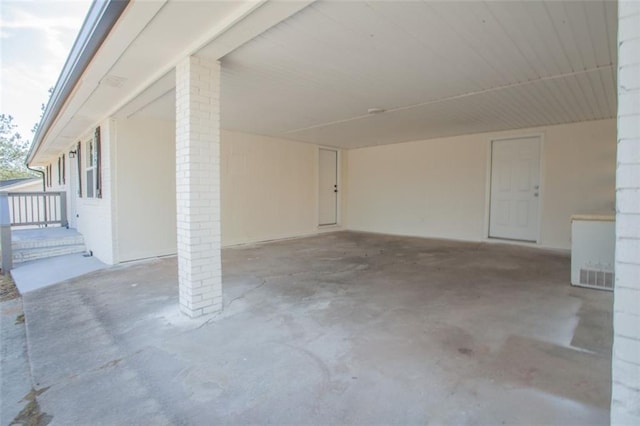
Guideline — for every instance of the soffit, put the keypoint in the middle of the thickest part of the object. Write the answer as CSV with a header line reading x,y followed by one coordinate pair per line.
x,y
438,68
141,51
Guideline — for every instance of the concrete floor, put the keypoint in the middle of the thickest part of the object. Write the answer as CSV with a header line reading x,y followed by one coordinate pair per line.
x,y
337,328
15,379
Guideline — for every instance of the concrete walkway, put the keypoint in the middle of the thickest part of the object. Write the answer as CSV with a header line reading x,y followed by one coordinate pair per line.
x,y
334,329
15,374
36,274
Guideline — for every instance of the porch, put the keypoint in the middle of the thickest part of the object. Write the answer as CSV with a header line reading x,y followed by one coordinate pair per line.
x,y
34,225
338,328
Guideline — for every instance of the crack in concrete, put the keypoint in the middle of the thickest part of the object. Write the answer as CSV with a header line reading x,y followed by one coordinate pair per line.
x,y
264,281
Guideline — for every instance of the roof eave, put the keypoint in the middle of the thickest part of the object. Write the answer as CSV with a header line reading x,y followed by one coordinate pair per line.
x,y
100,19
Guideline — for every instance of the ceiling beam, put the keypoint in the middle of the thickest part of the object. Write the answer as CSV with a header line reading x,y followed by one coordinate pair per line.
x,y
247,22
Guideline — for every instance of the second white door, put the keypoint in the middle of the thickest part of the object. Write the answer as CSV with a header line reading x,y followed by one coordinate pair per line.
x,y
328,187
515,189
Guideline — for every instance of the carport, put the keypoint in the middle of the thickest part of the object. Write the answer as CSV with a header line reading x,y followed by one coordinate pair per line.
x,y
493,121
404,118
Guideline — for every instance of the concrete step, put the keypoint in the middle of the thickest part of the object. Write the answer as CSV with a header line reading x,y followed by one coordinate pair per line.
x,y
38,243
26,254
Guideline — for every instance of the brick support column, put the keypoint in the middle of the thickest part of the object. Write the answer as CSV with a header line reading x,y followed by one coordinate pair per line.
x,y
625,398
198,185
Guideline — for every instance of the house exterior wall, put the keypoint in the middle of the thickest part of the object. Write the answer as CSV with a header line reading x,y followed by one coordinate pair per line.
x,y
95,215
440,188
269,188
92,217
436,188
145,219
625,395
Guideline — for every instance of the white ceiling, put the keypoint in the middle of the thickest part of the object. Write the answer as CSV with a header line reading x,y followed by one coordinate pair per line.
x,y
311,72
438,68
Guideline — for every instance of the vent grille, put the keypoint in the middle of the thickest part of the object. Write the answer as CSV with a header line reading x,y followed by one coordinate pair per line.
x,y
596,278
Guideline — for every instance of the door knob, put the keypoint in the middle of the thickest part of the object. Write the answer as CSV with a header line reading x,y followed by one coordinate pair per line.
x,y
535,194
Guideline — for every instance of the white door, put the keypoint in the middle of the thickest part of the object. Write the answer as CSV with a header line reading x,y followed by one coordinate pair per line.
x,y
328,187
515,189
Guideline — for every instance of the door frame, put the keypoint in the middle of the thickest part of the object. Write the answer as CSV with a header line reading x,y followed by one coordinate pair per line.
x,y
338,182
487,197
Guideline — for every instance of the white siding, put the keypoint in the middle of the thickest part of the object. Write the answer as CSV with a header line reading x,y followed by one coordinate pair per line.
x,y
269,188
439,187
146,182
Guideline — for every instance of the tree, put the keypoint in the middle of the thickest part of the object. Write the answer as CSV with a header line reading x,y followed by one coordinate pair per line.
x,y
13,151
34,129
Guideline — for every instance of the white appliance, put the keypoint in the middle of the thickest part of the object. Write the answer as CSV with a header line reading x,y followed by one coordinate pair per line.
x,y
592,250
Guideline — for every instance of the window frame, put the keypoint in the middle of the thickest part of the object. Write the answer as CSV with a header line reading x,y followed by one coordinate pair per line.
x,y
90,167
93,165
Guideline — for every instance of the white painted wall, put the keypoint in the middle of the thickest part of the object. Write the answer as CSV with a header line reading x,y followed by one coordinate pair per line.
x,y
145,219
434,188
579,176
439,187
95,215
269,188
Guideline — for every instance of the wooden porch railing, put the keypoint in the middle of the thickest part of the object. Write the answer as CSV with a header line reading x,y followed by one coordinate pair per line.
x,y
37,208
40,209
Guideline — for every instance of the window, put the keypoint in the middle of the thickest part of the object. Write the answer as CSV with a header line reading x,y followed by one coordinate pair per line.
x,y
92,166
90,163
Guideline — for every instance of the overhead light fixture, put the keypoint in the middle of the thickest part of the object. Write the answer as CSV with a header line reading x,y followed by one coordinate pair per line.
x,y
72,154
376,110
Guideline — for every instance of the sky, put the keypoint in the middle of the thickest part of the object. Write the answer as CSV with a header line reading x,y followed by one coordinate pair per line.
x,y
35,40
